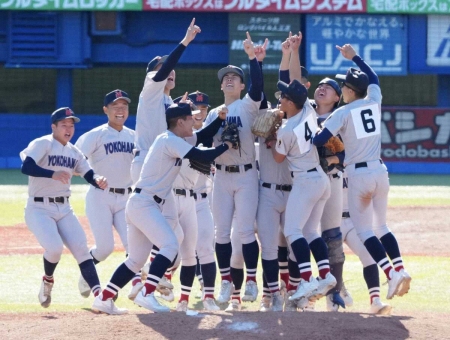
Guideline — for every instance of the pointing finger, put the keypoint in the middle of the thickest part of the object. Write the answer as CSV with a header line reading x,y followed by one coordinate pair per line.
x,y
192,23
248,36
265,43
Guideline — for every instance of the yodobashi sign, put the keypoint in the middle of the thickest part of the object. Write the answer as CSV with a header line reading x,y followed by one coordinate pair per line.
x,y
261,26
410,134
438,40
380,40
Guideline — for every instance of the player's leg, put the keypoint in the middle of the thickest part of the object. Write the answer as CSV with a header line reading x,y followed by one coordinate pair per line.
x,y
236,270
246,204
370,272
136,166
268,219
223,210
283,258
331,234
40,220
139,249
74,238
188,221
205,253
119,221
306,192
361,186
387,238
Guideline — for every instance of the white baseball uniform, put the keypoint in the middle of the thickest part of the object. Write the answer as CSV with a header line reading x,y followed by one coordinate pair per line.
x,y
48,213
110,153
150,119
311,187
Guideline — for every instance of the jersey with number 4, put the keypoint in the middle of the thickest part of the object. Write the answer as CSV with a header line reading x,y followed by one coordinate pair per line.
x,y
294,140
359,125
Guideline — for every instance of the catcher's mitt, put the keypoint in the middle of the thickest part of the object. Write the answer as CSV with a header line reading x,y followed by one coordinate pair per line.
x,y
334,145
266,124
231,134
202,167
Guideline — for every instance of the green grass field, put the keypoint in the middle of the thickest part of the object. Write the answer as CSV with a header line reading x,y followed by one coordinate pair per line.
x,y
19,291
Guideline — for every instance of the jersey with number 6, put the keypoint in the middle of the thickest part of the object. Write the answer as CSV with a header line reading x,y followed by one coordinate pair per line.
x,y
359,124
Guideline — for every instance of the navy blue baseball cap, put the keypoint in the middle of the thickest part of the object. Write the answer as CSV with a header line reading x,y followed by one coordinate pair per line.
x,y
230,69
155,62
194,108
295,91
116,95
64,113
305,72
333,83
178,110
354,79
199,98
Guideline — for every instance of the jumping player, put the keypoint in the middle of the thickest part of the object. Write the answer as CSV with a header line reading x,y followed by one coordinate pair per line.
x,y
109,151
358,123
50,162
235,189
146,223
309,193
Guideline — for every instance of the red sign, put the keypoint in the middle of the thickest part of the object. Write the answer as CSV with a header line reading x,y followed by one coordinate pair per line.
x,y
415,134
274,6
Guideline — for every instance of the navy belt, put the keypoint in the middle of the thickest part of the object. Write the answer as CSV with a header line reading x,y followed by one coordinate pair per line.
x,y
310,170
282,187
364,164
52,199
202,195
345,214
234,168
157,199
183,192
120,191
335,175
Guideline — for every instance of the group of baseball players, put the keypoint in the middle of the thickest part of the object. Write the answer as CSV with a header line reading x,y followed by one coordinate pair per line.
x,y
269,194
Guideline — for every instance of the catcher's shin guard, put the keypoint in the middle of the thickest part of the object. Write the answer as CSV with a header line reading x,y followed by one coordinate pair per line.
x,y
333,239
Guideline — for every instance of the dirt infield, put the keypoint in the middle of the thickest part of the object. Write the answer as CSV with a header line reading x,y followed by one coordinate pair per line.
x,y
407,223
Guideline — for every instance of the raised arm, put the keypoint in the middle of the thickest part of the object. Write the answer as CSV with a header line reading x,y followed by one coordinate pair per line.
x,y
175,55
283,73
348,52
255,88
295,71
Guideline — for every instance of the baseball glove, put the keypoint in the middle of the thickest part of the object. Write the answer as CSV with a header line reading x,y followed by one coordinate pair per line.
x,y
334,145
202,167
266,124
231,134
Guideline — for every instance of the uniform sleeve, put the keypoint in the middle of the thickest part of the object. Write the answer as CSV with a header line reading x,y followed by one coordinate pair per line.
x,y
152,90
212,115
87,143
37,150
374,93
82,166
283,144
177,147
250,107
335,121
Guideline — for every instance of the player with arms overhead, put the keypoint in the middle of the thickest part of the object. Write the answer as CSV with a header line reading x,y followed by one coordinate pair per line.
x,y
359,125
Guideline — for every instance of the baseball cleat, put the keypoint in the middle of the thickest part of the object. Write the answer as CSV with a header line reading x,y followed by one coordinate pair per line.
x,y
277,302
334,301
226,288
210,304
345,295
289,306
166,294
264,305
150,302
45,293
135,290
234,306
182,306
378,307
84,288
251,291
394,283
305,289
325,285
107,307
164,284
404,288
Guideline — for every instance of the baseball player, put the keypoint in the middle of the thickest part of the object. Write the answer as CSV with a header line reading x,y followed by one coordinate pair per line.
x,y
145,220
50,162
310,190
109,151
235,189
155,99
358,123
151,121
370,269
